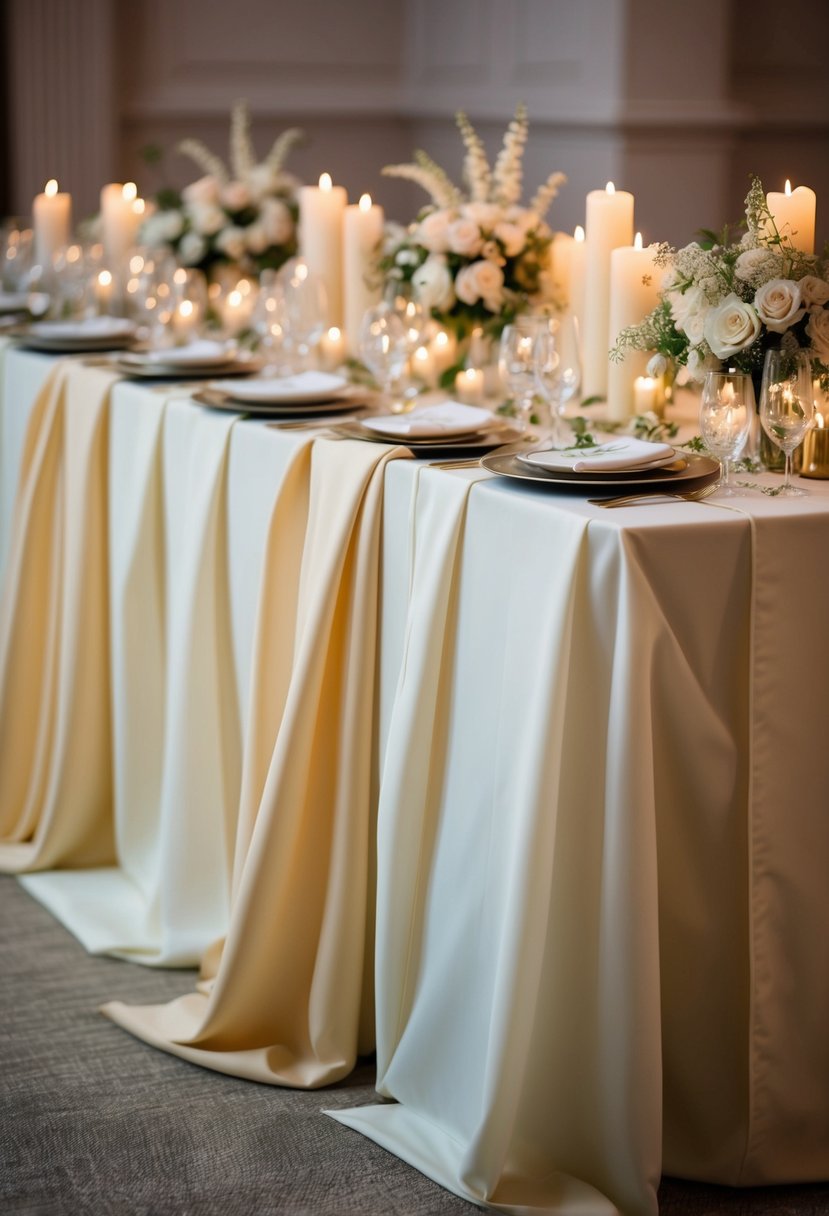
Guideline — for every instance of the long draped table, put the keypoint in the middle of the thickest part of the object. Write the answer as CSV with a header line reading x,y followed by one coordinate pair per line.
x,y
593,742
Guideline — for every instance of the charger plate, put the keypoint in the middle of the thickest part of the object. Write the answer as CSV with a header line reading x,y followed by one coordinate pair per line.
x,y
217,400
697,472
480,441
240,365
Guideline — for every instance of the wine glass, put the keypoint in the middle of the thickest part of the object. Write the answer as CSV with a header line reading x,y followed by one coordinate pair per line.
x,y
304,311
725,415
516,362
557,366
385,346
786,405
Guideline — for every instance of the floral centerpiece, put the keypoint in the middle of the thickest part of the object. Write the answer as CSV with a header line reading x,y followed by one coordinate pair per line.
x,y
475,259
727,300
245,214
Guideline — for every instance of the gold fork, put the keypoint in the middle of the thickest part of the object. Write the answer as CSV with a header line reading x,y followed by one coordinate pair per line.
x,y
626,500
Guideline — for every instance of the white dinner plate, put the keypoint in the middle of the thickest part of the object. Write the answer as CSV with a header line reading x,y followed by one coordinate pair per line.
x,y
446,420
76,337
302,389
353,401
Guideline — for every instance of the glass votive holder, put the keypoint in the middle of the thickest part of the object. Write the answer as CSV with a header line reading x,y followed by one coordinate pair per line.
x,y
815,461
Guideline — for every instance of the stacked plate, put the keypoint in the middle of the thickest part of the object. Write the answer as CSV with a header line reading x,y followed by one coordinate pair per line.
x,y
76,337
432,428
620,461
302,395
194,359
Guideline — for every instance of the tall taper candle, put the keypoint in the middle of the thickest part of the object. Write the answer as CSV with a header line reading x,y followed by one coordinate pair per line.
x,y
362,233
634,291
321,211
609,224
52,218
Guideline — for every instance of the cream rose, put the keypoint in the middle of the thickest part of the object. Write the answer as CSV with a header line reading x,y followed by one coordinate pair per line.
x,y
204,190
756,264
486,215
432,283
731,327
778,304
235,196
433,232
818,330
813,290
192,248
277,221
231,242
511,237
481,280
464,237
256,238
205,218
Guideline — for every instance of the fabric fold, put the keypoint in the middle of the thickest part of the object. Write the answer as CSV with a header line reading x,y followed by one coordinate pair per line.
x,y
283,999
55,740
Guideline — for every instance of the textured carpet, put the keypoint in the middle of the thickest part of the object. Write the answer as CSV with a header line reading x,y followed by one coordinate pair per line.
x,y
94,1122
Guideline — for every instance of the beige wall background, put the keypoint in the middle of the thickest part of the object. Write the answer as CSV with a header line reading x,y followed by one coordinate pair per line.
x,y
677,102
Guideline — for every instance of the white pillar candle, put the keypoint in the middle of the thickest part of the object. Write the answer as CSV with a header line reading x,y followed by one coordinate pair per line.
x,y
567,267
423,366
362,234
794,216
634,292
121,215
321,239
333,348
609,225
103,291
645,394
444,350
52,218
469,385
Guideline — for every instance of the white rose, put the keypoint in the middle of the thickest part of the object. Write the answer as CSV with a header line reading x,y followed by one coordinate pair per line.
x,y
162,228
511,237
481,280
256,238
192,248
754,264
205,190
525,219
778,304
696,366
813,290
818,331
685,304
235,196
205,218
731,326
433,232
657,366
277,221
432,283
260,181
464,237
231,242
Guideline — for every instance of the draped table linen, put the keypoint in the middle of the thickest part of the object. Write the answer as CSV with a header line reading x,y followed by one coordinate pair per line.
x,y
288,994
601,900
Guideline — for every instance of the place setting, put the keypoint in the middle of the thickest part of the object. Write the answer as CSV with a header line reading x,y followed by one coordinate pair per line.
x,y
306,394
438,428
191,360
85,335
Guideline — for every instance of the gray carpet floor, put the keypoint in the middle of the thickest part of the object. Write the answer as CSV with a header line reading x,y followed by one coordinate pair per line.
x,y
94,1122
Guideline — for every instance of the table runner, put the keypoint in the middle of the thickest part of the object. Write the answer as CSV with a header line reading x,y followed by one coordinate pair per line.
x,y
285,1000
55,762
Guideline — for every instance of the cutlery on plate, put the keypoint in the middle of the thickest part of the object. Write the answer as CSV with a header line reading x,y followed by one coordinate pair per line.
x,y
629,500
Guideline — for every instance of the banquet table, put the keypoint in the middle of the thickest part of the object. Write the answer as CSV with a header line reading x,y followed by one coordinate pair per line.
x,y
599,778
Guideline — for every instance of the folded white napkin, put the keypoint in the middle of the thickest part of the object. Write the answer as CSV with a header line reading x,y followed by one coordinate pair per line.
x,y
89,327
306,386
445,418
203,351
615,455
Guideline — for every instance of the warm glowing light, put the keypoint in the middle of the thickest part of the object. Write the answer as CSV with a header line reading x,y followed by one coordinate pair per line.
x,y
180,275
136,264
471,374
365,202
234,299
138,206
51,188
788,187
819,423
244,287
334,334
421,354
73,254
105,278
325,182
129,192
578,235
610,188
186,308
637,241
441,338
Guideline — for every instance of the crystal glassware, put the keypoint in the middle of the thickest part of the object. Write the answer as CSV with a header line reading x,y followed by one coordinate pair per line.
x,y
517,362
725,414
304,314
385,345
787,406
557,365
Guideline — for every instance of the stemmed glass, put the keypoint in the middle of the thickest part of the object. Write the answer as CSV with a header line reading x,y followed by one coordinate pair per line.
x,y
385,346
516,362
725,415
557,366
304,311
787,406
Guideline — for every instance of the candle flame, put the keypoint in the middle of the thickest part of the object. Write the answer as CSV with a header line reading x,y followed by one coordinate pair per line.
x,y
325,182
185,308
105,278
819,423
441,338
234,298
334,333
365,202
129,192
637,241
51,188
180,275
421,354
610,188
470,374
788,188
578,234
138,206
